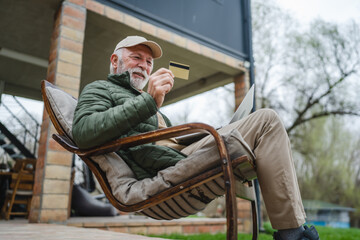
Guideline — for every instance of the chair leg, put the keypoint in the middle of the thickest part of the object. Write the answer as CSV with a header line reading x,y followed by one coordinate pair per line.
x,y
231,220
28,207
12,199
5,209
255,220
231,211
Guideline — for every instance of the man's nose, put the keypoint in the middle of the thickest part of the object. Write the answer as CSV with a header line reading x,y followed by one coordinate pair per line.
x,y
142,65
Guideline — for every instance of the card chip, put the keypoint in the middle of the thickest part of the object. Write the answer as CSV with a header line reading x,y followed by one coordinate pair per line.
x,y
179,70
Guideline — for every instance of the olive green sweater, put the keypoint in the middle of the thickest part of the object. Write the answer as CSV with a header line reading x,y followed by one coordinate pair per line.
x,y
111,109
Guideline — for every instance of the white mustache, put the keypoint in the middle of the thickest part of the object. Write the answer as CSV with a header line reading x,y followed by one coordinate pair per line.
x,y
138,70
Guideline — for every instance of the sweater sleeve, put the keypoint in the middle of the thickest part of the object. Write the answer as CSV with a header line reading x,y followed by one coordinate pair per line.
x,y
98,120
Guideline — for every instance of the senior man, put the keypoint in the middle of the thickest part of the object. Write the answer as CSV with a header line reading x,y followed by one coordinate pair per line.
x,y
118,107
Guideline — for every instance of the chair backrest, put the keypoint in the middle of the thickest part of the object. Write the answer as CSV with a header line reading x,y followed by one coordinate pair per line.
x,y
61,107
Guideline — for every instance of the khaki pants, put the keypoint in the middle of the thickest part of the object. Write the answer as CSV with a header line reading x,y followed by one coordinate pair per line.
x,y
264,132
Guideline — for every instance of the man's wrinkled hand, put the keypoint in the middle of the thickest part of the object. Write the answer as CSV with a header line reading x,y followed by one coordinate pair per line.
x,y
160,83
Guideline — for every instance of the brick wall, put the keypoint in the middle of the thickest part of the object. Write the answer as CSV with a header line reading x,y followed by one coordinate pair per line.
x,y
150,226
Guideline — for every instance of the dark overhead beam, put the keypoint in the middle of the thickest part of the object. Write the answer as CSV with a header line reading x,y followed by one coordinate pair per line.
x,y
22,91
199,86
23,57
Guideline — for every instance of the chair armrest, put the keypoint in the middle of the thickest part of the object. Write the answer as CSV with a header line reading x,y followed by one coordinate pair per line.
x,y
143,138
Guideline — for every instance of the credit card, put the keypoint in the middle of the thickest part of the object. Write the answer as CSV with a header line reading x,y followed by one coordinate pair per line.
x,y
179,70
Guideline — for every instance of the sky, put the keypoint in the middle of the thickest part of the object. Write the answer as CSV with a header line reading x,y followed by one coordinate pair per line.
x,y
331,10
304,10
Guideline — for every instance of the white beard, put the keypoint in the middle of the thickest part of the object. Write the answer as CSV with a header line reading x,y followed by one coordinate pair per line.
x,y
135,82
138,82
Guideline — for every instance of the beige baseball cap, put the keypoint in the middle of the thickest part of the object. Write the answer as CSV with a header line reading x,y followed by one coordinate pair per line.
x,y
131,41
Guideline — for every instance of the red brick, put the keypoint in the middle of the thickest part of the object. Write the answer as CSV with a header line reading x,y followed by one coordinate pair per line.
x,y
148,28
189,229
132,21
57,215
204,229
74,12
173,229
193,46
71,45
34,216
157,230
244,214
35,202
51,67
77,2
54,36
164,34
220,57
73,23
70,56
121,229
57,172
218,228
59,158
95,6
52,57
75,224
43,135
56,186
72,34
243,204
94,224
114,14
180,41
69,69
206,51
53,145
38,182
51,77
137,230
53,201
67,82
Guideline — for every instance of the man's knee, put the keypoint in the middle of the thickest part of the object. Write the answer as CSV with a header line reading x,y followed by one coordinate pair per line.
x,y
267,114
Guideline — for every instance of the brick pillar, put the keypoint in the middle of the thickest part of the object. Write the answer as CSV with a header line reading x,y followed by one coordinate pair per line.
x,y
241,82
53,170
244,207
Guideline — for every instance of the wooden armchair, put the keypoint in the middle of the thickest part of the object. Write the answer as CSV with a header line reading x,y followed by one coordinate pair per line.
x,y
175,200
21,188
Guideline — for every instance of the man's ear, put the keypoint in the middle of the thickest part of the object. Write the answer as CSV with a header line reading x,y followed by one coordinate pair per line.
x,y
114,61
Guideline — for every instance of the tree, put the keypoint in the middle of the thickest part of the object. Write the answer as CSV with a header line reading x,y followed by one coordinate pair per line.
x,y
305,74
321,65
328,162
309,76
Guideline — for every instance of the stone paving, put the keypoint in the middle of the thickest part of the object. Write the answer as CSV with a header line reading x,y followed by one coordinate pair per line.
x,y
21,230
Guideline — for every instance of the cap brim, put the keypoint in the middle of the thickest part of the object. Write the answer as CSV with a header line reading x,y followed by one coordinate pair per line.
x,y
155,48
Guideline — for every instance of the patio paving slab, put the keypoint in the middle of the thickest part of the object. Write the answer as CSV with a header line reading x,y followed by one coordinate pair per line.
x,y
24,231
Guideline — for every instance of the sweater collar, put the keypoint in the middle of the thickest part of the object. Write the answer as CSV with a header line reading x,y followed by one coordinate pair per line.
x,y
122,79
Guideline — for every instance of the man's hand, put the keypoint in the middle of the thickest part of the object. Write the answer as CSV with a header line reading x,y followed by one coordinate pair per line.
x,y
160,83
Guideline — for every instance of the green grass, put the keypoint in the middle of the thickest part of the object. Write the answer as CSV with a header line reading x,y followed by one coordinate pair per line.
x,y
206,236
326,233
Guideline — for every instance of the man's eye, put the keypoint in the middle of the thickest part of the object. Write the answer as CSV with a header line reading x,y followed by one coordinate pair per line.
x,y
149,63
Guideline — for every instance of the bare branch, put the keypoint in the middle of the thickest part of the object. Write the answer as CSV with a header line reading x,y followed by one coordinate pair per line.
x,y
322,114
